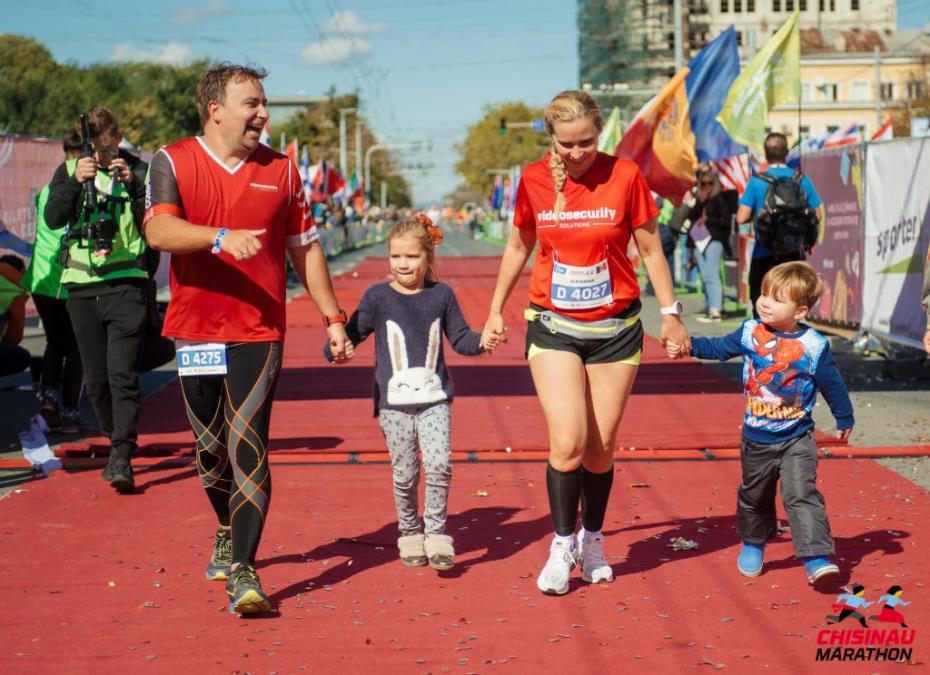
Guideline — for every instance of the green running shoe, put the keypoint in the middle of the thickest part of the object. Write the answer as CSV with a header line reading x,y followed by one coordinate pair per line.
x,y
221,558
245,591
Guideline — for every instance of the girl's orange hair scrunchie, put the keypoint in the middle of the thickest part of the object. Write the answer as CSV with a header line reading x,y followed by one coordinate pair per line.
x,y
435,234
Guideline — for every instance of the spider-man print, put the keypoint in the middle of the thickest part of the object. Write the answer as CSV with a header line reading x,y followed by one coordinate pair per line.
x,y
775,364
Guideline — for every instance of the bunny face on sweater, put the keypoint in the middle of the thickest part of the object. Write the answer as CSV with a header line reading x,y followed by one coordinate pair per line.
x,y
417,385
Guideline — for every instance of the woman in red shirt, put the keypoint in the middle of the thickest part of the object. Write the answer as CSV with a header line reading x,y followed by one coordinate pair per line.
x,y
584,337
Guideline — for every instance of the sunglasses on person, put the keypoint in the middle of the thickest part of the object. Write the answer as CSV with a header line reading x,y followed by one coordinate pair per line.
x,y
707,183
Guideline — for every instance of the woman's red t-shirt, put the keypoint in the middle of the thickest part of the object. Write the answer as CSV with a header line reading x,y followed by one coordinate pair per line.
x,y
602,208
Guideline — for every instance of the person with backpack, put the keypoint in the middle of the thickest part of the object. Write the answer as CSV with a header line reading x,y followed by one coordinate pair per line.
x,y
784,207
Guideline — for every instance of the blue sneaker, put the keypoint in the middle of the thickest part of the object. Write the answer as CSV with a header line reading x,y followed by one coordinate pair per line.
x,y
749,561
819,567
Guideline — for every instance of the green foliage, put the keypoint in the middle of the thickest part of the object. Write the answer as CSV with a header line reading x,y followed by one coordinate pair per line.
x,y
154,103
486,148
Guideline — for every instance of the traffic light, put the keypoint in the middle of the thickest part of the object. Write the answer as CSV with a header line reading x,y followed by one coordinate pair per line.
x,y
502,130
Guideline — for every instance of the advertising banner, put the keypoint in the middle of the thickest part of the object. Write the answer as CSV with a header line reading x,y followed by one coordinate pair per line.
x,y
837,257
26,165
897,234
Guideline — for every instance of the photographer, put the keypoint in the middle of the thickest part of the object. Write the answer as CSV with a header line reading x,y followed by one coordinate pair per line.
x,y
100,197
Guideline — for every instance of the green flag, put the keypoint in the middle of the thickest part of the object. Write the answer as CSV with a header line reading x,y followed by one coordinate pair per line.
x,y
611,134
772,77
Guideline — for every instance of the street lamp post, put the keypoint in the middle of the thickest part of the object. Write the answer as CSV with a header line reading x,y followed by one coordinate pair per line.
x,y
342,138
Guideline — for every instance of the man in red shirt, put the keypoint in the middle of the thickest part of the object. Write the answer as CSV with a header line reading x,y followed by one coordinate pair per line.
x,y
227,208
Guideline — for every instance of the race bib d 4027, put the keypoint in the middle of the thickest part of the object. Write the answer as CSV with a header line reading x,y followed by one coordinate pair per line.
x,y
581,287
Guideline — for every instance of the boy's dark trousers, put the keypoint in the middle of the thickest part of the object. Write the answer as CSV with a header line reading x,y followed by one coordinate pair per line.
x,y
795,463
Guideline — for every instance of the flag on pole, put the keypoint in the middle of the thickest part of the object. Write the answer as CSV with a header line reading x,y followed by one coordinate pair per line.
x,y
292,151
304,165
771,78
660,142
711,73
808,144
678,127
265,137
885,132
611,133
848,135
732,173
325,182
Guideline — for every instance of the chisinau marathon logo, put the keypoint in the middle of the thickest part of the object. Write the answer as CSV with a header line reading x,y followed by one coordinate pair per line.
x,y
862,630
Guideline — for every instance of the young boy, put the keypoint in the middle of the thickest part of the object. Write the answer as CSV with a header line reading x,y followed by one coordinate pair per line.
x,y
785,362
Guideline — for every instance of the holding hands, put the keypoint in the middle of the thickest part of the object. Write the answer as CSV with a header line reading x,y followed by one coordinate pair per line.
x,y
675,338
494,333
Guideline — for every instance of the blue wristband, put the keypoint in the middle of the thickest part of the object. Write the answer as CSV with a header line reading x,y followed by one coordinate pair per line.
x,y
217,243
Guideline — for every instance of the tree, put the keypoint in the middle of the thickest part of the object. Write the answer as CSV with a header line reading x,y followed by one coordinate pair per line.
x,y
154,103
485,148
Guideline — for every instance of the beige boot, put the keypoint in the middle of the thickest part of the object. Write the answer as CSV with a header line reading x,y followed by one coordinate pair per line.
x,y
412,552
440,551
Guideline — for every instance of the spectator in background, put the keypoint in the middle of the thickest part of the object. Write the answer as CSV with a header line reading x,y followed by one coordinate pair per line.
x,y
62,373
711,226
13,358
752,203
667,236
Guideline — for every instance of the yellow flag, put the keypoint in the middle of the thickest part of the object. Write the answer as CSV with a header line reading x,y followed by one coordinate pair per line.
x,y
612,133
772,77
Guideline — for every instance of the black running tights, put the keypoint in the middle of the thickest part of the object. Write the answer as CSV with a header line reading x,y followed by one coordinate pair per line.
x,y
230,415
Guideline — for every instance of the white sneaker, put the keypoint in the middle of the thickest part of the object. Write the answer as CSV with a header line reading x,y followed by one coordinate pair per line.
x,y
589,553
553,579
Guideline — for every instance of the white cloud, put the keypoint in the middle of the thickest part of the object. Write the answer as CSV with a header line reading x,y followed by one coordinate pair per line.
x,y
347,22
333,50
192,14
172,53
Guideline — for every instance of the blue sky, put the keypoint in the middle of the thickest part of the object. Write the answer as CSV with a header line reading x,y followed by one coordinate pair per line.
x,y
425,68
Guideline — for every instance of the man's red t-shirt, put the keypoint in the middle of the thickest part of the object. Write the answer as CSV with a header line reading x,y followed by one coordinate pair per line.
x,y
582,269
216,297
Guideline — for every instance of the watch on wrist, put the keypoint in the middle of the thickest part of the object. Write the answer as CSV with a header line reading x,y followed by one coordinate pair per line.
x,y
339,317
675,309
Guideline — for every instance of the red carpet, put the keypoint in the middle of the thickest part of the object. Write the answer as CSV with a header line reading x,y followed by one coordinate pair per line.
x,y
94,582
325,409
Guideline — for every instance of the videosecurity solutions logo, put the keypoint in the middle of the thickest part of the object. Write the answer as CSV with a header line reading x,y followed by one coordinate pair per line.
x,y
887,638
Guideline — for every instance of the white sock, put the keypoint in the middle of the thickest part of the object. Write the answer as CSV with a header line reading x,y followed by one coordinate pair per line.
x,y
567,541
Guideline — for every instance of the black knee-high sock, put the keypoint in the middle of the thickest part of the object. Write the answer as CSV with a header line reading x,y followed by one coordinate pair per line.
x,y
564,490
595,492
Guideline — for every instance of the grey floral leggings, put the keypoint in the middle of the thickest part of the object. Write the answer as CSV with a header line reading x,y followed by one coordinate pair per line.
x,y
402,428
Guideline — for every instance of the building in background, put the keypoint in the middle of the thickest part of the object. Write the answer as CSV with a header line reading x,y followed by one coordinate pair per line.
x,y
626,54
757,20
843,82
626,51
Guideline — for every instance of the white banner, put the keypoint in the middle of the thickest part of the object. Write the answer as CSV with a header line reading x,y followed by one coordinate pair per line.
x,y
897,234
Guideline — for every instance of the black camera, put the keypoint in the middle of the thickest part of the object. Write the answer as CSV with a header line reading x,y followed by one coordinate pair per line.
x,y
100,211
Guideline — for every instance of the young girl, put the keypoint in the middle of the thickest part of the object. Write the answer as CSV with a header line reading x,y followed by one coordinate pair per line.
x,y
413,389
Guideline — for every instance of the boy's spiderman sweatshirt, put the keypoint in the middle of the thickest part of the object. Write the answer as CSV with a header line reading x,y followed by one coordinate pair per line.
x,y
781,375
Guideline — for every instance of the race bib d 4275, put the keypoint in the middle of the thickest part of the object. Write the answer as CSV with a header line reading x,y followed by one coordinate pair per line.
x,y
201,358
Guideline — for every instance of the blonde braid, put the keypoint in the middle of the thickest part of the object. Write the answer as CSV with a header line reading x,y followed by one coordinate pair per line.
x,y
557,168
567,106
